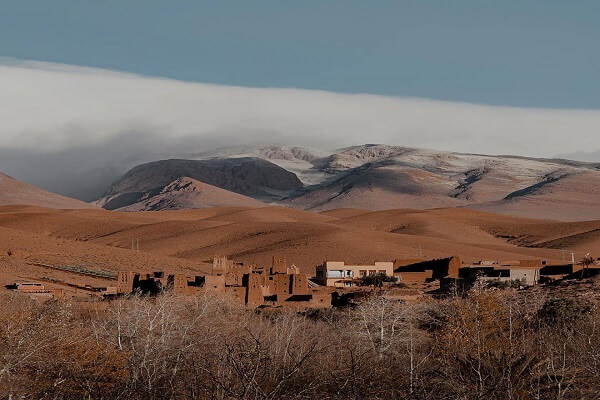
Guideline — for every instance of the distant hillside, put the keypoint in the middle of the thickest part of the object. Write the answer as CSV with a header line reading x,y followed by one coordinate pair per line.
x,y
13,191
189,194
378,177
252,177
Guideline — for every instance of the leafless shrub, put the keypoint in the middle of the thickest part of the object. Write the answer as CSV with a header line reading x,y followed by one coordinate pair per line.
x,y
493,345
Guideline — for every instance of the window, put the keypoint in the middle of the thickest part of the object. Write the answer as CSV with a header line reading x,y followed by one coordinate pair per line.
x,y
362,273
335,274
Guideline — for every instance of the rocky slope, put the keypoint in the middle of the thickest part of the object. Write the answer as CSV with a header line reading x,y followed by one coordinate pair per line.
x,y
189,194
378,177
381,177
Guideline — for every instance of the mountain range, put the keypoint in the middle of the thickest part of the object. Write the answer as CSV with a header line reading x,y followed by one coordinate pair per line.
x,y
370,177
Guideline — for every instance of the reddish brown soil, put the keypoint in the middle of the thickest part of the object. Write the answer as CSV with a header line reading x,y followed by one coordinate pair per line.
x,y
13,191
189,194
187,240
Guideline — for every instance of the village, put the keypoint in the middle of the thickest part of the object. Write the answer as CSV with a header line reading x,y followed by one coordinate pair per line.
x,y
279,284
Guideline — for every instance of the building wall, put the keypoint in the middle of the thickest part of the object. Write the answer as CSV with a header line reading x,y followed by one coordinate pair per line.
x,y
299,284
242,282
293,270
320,299
537,264
221,265
337,273
124,282
280,284
415,277
440,267
530,276
405,262
180,284
255,294
279,265
215,282
237,293
454,265
234,278
502,273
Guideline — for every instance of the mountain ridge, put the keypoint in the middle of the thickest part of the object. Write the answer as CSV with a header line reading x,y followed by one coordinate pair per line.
x,y
376,177
247,176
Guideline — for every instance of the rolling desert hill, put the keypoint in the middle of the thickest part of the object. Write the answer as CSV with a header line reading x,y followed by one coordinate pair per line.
x,y
13,191
186,240
380,177
189,194
574,197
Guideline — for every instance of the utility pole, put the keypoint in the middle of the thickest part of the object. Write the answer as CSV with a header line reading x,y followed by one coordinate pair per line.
x,y
135,244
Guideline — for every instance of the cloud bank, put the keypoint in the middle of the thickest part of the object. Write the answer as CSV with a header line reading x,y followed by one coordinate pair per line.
x,y
92,118
52,107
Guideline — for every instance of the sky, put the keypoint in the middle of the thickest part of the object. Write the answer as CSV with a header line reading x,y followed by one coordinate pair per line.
x,y
514,53
89,89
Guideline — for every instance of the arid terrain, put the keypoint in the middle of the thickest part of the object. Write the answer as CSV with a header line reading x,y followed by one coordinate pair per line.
x,y
187,240
13,191
278,208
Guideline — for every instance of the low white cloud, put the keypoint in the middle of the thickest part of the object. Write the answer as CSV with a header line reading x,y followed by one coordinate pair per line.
x,y
52,107
75,130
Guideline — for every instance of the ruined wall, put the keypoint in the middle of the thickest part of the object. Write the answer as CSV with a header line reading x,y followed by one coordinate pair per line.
x,y
278,265
255,293
234,278
124,282
180,284
221,265
280,284
320,299
237,294
299,284
453,266
292,270
215,282
415,277
244,283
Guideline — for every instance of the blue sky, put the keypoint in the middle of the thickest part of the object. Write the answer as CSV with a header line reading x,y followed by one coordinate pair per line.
x,y
504,52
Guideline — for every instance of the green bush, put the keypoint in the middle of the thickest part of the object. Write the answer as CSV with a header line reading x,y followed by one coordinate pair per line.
x,y
377,279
